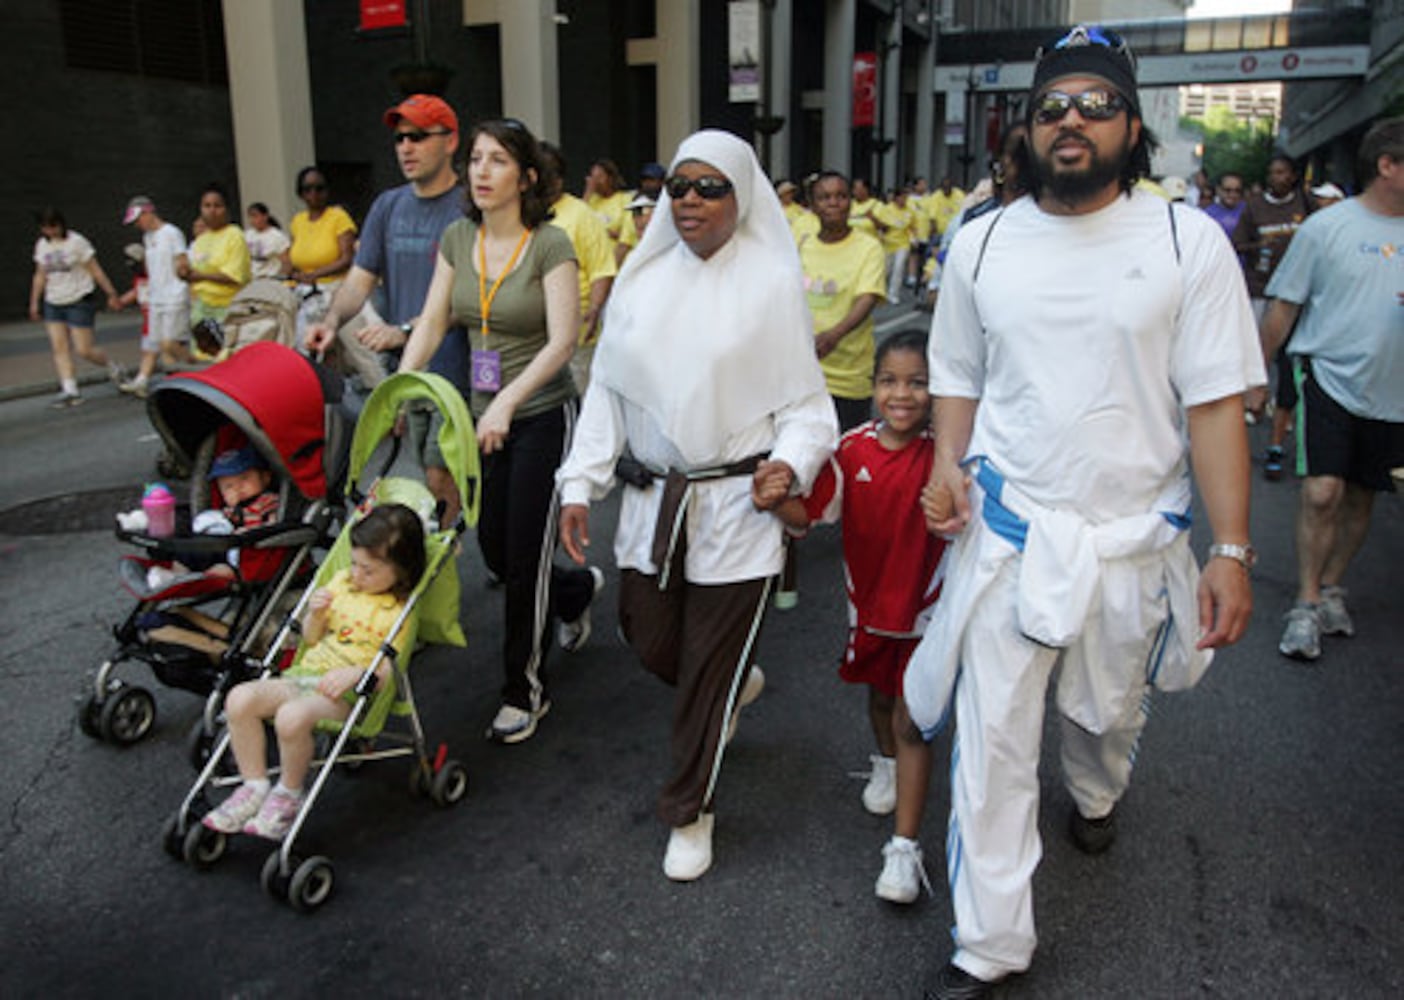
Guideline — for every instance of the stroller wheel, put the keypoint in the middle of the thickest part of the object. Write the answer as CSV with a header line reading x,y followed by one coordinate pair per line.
x,y
420,780
202,846
127,716
90,717
311,884
199,744
274,883
450,784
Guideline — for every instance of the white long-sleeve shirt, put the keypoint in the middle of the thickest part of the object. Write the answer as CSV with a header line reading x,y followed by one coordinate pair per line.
x,y
728,540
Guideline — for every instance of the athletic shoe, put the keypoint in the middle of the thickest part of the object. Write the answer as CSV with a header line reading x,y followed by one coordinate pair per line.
x,y
689,852
1335,619
275,817
572,634
750,691
117,373
903,873
1301,639
1272,464
231,814
880,793
513,724
64,400
954,983
1092,836
134,387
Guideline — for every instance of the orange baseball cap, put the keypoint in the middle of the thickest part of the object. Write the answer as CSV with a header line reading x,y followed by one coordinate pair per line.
x,y
423,111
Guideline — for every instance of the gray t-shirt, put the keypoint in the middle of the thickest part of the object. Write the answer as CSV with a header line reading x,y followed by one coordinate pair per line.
x,y
1344,268
400,244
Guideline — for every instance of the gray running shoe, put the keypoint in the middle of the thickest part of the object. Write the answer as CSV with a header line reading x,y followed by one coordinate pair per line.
x,y
1335,619
1301,639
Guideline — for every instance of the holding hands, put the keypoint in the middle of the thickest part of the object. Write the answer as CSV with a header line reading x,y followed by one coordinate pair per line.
x,y
770,484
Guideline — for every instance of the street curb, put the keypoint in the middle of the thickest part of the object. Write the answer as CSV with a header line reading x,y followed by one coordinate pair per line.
x,y
49,386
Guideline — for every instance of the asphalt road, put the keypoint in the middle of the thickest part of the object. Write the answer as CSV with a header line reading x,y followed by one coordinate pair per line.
x,y
1261,850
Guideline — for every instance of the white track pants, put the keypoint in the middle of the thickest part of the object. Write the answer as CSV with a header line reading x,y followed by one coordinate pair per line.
x,y
992,842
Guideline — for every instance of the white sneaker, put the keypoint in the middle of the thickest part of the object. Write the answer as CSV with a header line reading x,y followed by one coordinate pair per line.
x,y
690,850
750,691
572,634
1335,619
1301,639
136,387
117,374
513,724
903,873
880,793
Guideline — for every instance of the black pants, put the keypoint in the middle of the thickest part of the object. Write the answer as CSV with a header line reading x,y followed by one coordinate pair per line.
x,y
517,536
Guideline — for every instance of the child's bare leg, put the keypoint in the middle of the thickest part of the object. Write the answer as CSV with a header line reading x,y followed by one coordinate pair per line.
x,y
246,708
63,354
880,716
294,724
913,772
87,347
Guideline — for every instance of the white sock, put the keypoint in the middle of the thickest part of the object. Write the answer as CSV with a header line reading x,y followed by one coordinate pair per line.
x,y
70,386
292,793
259,785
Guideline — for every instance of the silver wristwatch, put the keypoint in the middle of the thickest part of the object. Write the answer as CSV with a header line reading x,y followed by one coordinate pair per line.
x,y
1245,555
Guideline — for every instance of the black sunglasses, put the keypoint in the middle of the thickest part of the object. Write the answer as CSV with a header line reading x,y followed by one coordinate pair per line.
x,y
711,188
417,137
1094,105
312,187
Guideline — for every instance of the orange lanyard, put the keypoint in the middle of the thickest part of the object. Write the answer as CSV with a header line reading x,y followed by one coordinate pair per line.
x,y
485,296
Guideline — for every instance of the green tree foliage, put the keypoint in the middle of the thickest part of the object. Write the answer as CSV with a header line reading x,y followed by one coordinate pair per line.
x,y
1233,145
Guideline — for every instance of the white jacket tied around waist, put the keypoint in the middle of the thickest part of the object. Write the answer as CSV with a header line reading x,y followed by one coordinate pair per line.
x,y
1080,589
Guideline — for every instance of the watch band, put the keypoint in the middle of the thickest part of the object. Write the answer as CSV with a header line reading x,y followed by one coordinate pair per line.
x,y
1244,555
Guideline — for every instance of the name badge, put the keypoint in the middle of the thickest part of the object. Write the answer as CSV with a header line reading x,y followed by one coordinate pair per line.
x,y
487,371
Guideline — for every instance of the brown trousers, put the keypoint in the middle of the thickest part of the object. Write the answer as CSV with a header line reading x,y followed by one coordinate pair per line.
x,y
699,639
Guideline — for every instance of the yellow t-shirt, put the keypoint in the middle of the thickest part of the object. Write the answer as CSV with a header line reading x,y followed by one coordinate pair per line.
x,y
357,624
314,244
793,211
836,274
628,232
804,224
941,208
898,222
593,251
224,252
859,218
611,210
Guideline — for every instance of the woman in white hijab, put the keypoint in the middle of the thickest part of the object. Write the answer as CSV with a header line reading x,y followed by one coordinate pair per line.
x,y
705,382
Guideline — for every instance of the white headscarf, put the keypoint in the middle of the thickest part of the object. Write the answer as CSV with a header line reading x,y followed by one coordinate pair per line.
x,y
708,347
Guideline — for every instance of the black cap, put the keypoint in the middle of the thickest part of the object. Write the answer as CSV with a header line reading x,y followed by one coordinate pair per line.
x,y
1089,50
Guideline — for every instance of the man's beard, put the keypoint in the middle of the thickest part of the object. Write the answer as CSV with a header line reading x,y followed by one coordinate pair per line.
x,y
1073,187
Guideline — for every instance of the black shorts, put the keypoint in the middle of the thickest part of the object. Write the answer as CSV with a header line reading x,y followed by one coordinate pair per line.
x,y
1286,394
1335,442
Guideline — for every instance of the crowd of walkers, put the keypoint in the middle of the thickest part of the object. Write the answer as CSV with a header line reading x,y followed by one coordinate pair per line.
x,y
1014,490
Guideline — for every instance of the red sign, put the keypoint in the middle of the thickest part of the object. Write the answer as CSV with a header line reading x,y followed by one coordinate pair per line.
x,y
864,89
378,14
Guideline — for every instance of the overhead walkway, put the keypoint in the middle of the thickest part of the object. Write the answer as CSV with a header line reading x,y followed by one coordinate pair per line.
x,y
1171,51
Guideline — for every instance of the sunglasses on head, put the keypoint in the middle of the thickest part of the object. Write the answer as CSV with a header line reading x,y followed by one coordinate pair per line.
x,y
416,137
1094,105
1090,35
711,188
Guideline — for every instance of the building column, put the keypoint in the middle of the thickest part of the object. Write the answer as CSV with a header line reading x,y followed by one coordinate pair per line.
x,y
530,69
781,70
924,134
677,57
270,100
840,30
891,103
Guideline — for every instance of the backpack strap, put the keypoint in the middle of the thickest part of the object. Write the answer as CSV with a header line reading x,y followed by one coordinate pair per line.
x,y
980,260
1174,230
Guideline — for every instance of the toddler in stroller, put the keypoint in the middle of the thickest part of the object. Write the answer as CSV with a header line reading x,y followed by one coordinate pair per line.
x,y
346,623
261,424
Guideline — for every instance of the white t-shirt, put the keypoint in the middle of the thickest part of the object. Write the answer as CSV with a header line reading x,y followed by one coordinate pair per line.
x,y
64,262
1084,341
265,248
1345,266
162,248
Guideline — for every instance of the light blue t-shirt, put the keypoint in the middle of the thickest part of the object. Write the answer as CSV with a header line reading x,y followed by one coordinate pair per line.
x,y
1345,267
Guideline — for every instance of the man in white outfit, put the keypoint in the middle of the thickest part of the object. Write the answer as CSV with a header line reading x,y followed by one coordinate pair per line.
x,y
1082,333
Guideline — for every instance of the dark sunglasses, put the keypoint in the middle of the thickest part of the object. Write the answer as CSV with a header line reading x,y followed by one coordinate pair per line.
x,y
1094,105
711,188
312,187
417,137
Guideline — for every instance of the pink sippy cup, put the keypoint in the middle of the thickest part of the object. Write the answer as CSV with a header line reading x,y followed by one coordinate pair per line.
x,y
160,507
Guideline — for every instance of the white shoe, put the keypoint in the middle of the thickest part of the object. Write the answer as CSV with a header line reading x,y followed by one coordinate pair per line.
x,y
572,634
880,793
513,724
903,873
690,850
750,691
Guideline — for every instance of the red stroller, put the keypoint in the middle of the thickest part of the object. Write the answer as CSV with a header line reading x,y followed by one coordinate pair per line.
x,y
200,631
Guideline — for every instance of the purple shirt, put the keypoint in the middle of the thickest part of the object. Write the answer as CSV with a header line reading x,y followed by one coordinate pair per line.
x,y
1226,217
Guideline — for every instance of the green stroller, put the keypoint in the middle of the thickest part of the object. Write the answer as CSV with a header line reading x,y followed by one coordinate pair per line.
x,y
405,413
